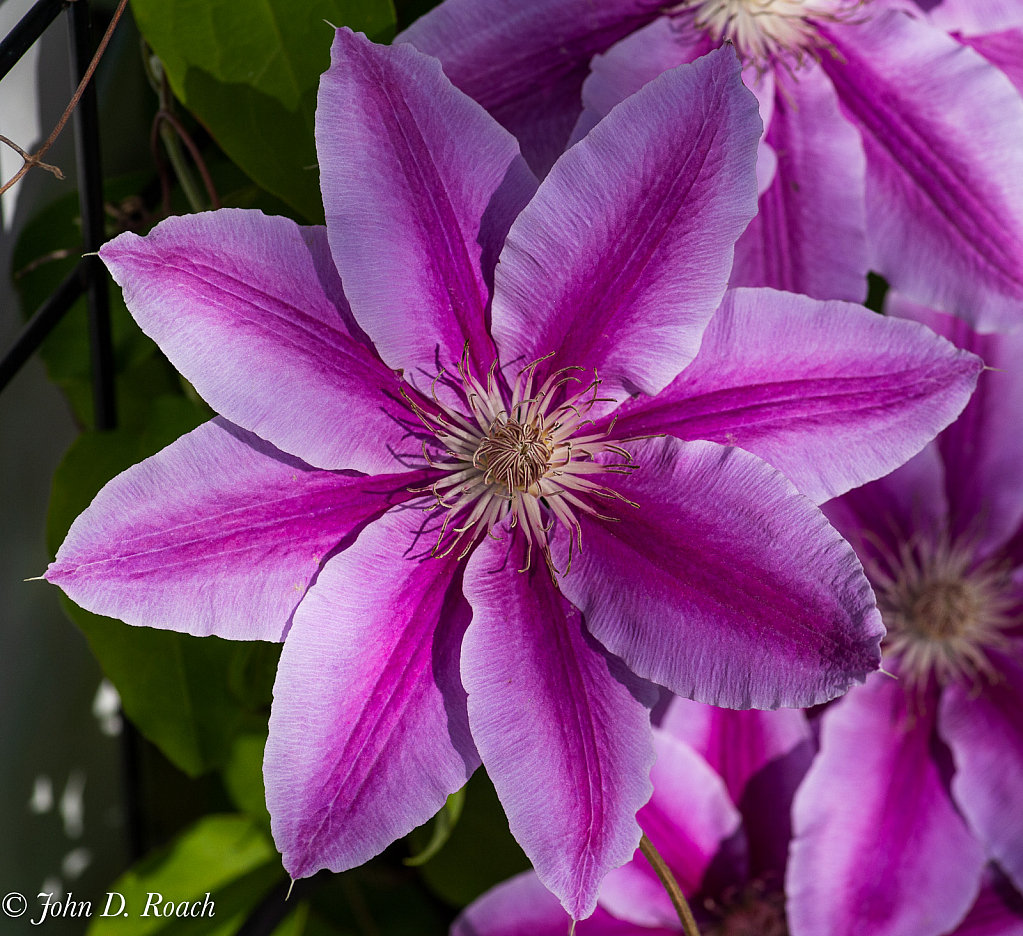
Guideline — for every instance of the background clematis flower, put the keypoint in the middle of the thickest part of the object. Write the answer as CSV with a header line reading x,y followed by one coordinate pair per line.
x,y
415,485
920,778
889,144
719,817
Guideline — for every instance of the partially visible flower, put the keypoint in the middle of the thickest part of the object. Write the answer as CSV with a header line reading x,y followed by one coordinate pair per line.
x,y
889,144
920,778
475,547
719,817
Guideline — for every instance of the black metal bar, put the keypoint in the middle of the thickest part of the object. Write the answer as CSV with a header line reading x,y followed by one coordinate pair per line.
x,y
30,27
90,198
44,320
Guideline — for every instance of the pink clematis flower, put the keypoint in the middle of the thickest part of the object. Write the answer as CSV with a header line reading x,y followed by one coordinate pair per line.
x,y
472,551
920,778
889,144
719,817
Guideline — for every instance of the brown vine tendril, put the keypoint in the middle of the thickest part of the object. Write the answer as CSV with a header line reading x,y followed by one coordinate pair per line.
x,y
165,116
35,158
678,899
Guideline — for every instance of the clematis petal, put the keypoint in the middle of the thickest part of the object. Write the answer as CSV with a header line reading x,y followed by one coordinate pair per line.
x,y
220,533
982,450
879,848
688,818
737,744
943,134
985,732
877,517
408,165
1004,50
724,584
522,906
976,17
621,258
557,724
633,62
997,912
809,235
525,60
368,732
762,757
828,393
250,309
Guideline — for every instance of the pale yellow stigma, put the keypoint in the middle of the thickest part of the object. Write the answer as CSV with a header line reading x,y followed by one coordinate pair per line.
x,y
527,458
943,611
766,32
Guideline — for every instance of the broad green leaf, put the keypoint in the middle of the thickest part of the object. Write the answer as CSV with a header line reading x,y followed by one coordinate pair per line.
x,y
249,71
243,776
226,861
173,687
480,852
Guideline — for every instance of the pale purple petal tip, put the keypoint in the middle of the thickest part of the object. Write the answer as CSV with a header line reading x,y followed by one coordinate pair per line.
x,y
250,309
220,533
408,165
557,723
621,258
368,732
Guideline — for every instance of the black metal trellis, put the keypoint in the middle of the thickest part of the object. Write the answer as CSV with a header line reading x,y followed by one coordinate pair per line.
x,y
89,277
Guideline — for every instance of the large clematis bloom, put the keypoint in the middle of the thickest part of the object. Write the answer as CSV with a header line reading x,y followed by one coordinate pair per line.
x,y
920,778
416,486
890,144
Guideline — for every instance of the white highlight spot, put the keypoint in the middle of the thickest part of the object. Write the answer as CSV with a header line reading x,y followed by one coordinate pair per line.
x,y
42,795
72,804
106,706
75,862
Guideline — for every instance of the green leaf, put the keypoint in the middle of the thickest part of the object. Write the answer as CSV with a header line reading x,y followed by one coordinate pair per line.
x,y
249,71
480,852
443,825
243,776
173,687
227,857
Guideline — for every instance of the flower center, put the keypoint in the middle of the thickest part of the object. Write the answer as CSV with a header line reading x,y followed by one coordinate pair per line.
x,y
514,455
522,455
757,909
765,31
943,610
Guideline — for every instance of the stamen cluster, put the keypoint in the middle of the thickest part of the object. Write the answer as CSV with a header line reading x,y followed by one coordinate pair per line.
x,y
765,32
524,456
943,610
756,909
